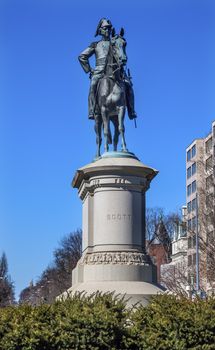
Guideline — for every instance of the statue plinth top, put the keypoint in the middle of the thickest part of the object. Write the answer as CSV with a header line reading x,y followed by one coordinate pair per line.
x,y
117,154
118,165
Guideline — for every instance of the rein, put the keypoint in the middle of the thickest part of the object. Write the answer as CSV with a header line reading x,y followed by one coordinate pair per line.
x,y
110,58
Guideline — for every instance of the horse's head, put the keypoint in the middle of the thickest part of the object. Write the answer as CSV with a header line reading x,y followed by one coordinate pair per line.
x,y
119,47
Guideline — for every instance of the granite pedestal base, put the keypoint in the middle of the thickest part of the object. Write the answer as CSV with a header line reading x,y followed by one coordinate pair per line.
x,y
114,258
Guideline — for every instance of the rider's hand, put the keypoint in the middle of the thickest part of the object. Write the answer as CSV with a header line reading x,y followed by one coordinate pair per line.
x,y
91,73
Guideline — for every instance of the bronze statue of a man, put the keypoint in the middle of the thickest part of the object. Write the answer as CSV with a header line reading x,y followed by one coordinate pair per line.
x,y
101,50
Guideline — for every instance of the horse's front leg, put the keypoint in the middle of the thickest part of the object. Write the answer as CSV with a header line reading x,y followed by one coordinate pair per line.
x,y
98,131
106,129
121,117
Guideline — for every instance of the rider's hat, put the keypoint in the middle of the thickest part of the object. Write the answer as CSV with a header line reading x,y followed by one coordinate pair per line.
x,y
103,23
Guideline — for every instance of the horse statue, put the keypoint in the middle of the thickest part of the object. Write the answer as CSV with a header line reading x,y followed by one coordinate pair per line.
x,y
111,96
111,88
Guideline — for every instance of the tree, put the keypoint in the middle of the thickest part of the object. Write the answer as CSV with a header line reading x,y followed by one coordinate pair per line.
x,y
175,279
160,228
67,256
57,277
159,231
153,218
6,285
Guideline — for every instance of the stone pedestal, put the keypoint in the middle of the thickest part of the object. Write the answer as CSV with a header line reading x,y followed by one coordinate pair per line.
x,y
112,190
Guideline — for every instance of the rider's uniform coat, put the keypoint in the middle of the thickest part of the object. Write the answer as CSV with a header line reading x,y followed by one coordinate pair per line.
x,y
100,49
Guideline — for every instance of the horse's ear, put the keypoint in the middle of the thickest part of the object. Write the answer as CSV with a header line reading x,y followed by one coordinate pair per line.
x,y
122,32
113,32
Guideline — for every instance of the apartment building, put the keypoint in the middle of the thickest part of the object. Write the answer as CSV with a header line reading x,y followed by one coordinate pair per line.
x,y
200,155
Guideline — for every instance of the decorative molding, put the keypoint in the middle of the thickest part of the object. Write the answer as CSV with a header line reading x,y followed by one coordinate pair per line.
x,y
133,183
125,258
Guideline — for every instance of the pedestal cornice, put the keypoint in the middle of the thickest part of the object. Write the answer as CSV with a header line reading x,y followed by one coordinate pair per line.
x,y
114,166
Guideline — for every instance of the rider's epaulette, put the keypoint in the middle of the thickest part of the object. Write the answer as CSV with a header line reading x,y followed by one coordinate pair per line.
x,y
93,45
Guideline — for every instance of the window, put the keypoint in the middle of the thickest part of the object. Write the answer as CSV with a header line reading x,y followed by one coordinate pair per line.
x,y
194,241
189,242
189,224
193,168
154,260
209,200
192,278
189,172
209,182
210,237
210,219
194,186
208,145
189,208
188,190
193,151
193,223
183,228
194,204
194,259
209,164
188,155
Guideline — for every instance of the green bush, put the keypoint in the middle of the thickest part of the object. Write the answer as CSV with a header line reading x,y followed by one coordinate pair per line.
x,y
171,323
103,322
76,323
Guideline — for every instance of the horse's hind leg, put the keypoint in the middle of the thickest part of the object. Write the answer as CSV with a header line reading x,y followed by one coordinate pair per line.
x,y
121,117
116,132
106,129
98,130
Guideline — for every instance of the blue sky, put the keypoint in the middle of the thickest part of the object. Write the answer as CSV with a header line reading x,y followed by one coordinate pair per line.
x,y
44,131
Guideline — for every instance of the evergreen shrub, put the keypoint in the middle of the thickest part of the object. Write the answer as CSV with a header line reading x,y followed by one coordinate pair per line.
x,y
104,322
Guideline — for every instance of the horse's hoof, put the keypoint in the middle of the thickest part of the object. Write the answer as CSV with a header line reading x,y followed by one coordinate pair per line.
x,y
125,150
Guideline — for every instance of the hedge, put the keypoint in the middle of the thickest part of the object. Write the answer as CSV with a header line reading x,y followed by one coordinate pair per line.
x,y
103,322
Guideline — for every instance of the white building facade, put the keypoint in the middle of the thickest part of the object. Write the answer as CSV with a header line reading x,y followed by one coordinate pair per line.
x,y
175,274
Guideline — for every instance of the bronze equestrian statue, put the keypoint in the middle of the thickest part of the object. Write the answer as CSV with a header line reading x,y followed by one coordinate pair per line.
x,y
111,88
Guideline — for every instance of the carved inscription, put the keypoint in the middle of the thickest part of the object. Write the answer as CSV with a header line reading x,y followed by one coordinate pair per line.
x,y
118,217
120,181
96,183
116,258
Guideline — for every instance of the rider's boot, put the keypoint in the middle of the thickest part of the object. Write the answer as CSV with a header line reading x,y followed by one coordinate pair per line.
x,y
90,107
130,101
92,96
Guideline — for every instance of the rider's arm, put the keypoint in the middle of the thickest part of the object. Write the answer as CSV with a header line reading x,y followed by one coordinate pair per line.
x,y
84,57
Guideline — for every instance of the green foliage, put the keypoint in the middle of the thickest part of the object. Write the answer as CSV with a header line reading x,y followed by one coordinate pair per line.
x,y
103,322
76,323
173,323
6,285
56,278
